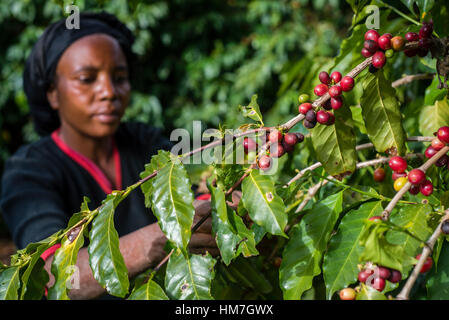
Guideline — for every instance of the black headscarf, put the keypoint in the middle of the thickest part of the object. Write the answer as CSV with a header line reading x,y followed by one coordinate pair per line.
x,y
41,64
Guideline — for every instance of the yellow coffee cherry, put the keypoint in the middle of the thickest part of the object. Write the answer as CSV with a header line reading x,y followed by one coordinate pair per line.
x,y
399,183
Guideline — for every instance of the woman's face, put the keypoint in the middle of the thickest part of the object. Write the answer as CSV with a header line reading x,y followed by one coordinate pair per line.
x,y
91,89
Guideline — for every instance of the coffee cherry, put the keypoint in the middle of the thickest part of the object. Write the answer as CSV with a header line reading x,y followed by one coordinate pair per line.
x,y
443,161
427,265
426,188
416,176
384,41
336,76
430,152
379,174
397,164
399,183
347,294
327,105
337,102
397,43
366,53
377,283
397,175
249,144
411,36
290,139
389,53
309,124
375,218
347,83
445,227
331,119
324,77
322,117
300,137
277,150
364,275
264,162
335,91
303,98
372,35
383,272
437,144
304,107
371,69
320,89
311,116
443,134
275,136
424,43
379,59
371,45
395,276
411,52
414,189
425,31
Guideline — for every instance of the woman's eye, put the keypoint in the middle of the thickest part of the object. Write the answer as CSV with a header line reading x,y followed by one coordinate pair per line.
x,y
120,79
86,79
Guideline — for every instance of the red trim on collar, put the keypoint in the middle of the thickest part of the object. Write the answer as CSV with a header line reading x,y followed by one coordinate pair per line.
x,y
90,166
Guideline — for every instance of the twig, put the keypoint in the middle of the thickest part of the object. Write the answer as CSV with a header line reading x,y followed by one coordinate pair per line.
x,y
412,77
427,250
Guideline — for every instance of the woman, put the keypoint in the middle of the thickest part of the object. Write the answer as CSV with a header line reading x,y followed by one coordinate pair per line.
x,y
77,85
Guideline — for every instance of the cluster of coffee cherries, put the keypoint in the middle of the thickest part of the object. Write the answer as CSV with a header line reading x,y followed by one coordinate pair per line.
x,y
424,40
280,144
334,84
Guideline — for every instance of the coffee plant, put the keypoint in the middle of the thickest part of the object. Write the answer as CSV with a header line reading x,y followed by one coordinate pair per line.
x,y
365,218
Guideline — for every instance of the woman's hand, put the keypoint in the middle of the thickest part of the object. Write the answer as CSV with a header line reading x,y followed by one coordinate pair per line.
x,y
202,239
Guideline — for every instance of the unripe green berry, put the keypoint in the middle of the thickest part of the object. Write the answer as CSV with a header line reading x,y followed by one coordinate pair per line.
x,y
303,98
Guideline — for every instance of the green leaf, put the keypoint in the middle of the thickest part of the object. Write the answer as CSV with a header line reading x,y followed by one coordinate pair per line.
x,y
264,206
335,144
232,236
172,203
252,110
64,263
433,94
438,279
357,5
148,291
189,278
9,283
433,117
424,5
34,278
105,259
302,255
341,260
157,162
380,110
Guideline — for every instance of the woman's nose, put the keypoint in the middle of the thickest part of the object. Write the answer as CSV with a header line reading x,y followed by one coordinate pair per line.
x,y
106,87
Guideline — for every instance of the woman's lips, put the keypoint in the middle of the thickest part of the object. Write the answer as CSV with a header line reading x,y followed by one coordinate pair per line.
x,y
107,117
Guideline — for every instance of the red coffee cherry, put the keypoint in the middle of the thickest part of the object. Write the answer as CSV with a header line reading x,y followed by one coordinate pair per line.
x,y
347,83
337,102
264,162
364,275
397,175
336,76
372,35
300,136
427,265
411,52
277,150
290,139
320,89
430,152
331,119
383,272
249,144
371,45
379,60
426,188
398,164
322,117
395,276
324,77
379,174
366,53
377,283
416,176
304,107
347,294
425,31
384,41
335,91
411,36
437,144
275,136
414,189
443,134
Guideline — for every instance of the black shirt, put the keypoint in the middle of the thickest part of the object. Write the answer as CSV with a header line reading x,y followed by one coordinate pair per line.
x,y
42,186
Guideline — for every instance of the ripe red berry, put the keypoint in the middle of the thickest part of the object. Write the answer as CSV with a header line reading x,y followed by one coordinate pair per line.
x,y
427,264
300,136
411,36
347,294
424,43
377,283
304,107
337,102
437,144
364,274
397,175
416,176
275,136
320,89
366,53
398,164
379,59
383,272
347,83
322,117
384,41
249,144
290,139
264,162
335,91
277,150
371,45
425,31
430,152
331,119
414,189
395,276
411,52
379,174
372,35
443,134
443,161
324,77
426,188
336,76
